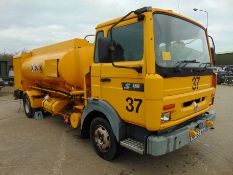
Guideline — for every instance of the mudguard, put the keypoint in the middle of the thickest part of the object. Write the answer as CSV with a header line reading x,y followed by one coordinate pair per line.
x,y
104,107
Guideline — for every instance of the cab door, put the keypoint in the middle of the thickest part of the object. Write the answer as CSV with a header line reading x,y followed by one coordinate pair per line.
x,y
123,88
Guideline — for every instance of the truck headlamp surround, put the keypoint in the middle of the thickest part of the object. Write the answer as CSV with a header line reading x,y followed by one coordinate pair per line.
x,y
166,116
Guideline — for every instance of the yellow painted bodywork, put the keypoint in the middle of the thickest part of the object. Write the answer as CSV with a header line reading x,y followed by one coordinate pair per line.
x,y
64,66
35,97
75,119
60,66
50,68
54,105
158,91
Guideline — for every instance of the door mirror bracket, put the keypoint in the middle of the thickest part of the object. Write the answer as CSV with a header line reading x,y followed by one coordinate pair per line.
x,y
212,49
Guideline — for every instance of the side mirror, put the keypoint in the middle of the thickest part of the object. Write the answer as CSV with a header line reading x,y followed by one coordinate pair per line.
x,y
103,50
212,50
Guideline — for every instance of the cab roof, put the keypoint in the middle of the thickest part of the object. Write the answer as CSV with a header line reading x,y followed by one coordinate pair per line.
x,y
154,10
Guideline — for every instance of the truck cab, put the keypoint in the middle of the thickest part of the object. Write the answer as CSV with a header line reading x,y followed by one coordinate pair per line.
x,y
153,67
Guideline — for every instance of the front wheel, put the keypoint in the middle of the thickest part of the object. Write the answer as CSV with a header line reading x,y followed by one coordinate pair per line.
x,y
103,139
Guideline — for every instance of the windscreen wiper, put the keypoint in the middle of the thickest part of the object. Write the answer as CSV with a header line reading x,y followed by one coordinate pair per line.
x,y
183,63
202,68
204,65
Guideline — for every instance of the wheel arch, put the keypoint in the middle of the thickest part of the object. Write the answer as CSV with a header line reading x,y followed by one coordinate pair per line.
x,y
100,108
36,97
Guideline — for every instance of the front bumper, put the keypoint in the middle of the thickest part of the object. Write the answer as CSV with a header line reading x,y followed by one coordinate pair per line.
x,y
168,142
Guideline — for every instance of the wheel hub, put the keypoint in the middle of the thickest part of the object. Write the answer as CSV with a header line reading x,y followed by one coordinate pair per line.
x,y
102,138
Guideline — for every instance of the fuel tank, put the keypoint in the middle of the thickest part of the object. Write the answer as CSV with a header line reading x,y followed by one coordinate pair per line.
x,y
59,66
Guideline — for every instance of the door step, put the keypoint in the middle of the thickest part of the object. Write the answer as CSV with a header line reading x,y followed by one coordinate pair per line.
x,y
133,145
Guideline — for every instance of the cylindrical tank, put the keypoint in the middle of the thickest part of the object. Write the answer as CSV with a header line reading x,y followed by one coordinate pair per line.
x,y
59,66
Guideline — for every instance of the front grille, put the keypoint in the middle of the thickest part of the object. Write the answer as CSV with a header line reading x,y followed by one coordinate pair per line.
x,y
189,103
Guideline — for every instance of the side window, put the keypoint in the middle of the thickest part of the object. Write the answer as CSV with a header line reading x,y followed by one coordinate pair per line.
x,y
129,42
98,35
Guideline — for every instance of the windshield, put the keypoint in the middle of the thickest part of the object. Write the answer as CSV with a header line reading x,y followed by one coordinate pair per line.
x,y
178,41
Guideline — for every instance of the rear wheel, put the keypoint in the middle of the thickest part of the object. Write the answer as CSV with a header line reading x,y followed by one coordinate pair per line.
x,y
29,111
103,139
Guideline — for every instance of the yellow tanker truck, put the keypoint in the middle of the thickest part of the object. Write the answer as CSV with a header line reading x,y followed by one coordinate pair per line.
x,y
146,84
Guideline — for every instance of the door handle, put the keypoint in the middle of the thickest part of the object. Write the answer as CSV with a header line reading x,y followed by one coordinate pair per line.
x,y
105,79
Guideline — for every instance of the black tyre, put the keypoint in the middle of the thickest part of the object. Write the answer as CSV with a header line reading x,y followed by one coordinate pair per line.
x,y
29,111
103,139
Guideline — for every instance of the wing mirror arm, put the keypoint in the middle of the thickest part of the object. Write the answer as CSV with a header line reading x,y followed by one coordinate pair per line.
x,y
212,49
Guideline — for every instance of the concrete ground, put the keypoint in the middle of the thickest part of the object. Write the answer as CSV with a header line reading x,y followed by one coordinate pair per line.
x,y
48,146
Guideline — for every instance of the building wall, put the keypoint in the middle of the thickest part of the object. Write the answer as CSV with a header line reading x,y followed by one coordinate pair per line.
x,y
224,58
6,62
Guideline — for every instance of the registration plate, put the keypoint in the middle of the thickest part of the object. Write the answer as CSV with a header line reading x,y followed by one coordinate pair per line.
x,y
199,133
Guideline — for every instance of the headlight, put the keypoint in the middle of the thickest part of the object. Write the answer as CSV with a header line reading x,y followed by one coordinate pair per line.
x,y
165,116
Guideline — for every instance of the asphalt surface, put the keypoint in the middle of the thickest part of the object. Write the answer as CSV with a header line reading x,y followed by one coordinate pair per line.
x,y
48,146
